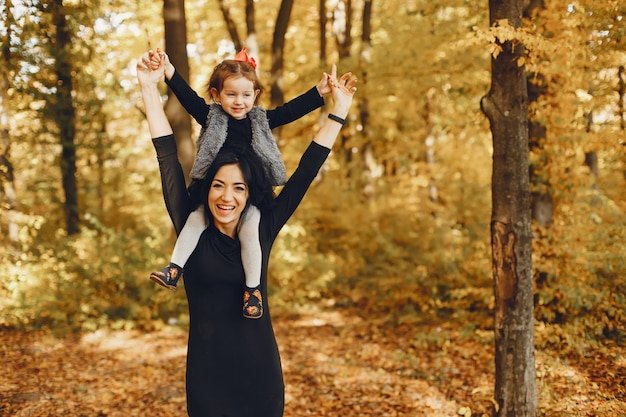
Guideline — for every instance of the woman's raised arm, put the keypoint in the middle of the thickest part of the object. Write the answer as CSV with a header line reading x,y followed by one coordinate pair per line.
x,y
342,92
148,79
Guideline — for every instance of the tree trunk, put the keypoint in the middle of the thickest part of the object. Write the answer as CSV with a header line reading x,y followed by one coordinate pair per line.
x,y
506,107
621,74
622,109
367,154
323,22
252,44
429,145
591,161
342,27
250,17
63,113
8,227
175,26
342,24
278,50
542,202
230,25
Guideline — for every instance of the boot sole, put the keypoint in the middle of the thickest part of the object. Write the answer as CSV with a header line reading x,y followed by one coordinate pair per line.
x,y
162,283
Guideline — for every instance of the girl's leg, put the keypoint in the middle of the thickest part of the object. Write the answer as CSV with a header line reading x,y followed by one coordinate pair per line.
x,y
189,236
251,258
184,247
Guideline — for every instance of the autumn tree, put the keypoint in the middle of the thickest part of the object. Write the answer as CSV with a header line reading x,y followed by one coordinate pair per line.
x,y
7,184
506,107
60,108
322,28
278,52
250,42
541,193
342,27
367,153
175,24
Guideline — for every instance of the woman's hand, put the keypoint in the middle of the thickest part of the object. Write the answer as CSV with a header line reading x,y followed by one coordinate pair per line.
x,y
148,78
324,88
149,73
342,92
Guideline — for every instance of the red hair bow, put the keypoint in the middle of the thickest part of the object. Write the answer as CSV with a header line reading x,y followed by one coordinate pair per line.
x,y
243,56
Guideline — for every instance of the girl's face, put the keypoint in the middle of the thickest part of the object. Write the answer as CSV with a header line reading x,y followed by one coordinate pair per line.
x,y
228,195
236,97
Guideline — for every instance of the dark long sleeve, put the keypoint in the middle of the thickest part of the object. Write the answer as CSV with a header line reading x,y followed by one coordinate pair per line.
x,y
175,192
190,100
282,115
295,109
295,189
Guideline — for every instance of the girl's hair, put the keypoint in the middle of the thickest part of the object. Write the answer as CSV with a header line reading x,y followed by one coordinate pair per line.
x,y
260,191
232,68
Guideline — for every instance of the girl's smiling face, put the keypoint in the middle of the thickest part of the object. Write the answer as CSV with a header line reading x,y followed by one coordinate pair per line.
x,y
236,97
227,198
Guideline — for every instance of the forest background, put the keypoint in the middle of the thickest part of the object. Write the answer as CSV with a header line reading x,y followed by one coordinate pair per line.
x,y
396,229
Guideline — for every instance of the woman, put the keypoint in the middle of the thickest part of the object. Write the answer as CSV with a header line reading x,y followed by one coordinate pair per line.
x,y
224,377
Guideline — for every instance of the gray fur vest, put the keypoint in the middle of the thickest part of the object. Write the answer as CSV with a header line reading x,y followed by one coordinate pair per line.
x,y
213,135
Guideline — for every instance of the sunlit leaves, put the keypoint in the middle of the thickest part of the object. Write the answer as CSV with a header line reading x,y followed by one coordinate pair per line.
x,y
429,67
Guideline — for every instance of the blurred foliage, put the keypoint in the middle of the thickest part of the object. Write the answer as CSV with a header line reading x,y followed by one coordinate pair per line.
x,y
97,279
392,251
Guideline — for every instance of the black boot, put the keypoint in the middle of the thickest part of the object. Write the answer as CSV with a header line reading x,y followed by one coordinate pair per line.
x,y
168,277
252,303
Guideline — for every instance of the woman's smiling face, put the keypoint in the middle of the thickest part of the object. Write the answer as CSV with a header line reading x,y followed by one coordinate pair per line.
x,y
227,198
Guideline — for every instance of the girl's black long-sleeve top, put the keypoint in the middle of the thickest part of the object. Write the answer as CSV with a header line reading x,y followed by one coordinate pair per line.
x,y
240,131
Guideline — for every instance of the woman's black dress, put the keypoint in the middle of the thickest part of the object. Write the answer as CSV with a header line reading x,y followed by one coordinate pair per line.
x,y
233,364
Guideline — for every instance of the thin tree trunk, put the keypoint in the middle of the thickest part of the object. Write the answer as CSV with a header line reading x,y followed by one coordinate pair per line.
x,y
621,74
230,24
342,24
278,50
591,158
175,25
506,107
250,17
252,44
429,144
342,27
542,202
367,154
622,109
64,114
323,22
7,184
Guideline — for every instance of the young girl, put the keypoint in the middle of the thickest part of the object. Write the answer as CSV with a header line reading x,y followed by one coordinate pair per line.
x,y
232,123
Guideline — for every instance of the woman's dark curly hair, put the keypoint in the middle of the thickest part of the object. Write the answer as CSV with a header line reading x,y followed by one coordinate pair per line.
x,y
260,191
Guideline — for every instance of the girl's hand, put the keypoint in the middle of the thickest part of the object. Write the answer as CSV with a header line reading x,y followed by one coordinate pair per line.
x,y
155,59
322,87
158,57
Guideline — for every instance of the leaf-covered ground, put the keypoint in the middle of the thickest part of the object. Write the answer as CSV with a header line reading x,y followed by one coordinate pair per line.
x,y
334,366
